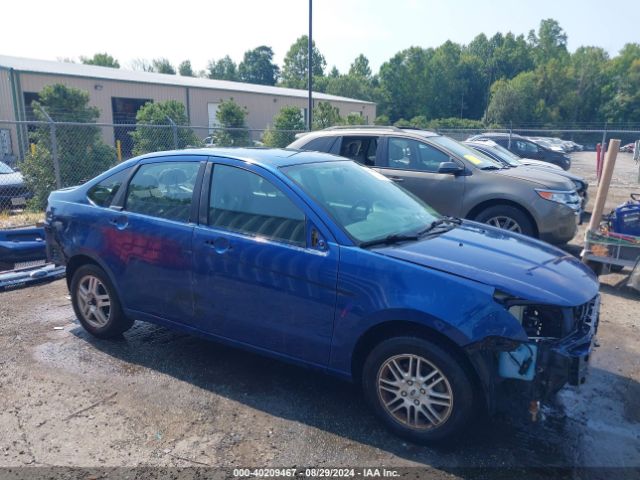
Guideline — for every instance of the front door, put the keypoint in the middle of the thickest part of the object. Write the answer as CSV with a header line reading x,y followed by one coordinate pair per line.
x,y
148,242
258,278
414,165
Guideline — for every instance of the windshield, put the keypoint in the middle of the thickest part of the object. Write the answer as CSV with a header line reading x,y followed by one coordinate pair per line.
x,y
505,155
364,203
479,160
4,168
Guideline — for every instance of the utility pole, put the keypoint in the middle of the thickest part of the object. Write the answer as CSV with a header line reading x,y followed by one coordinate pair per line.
x,y
310,68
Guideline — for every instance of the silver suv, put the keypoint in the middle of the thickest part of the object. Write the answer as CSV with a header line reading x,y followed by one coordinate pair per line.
x,y
457,180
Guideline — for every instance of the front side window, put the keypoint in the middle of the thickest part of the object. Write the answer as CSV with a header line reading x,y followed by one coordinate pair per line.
x,y
163,190
364,203
244,202
526,147
408,154
103,193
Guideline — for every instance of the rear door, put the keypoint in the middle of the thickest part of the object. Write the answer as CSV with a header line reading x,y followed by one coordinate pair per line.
x,y
414,166
148,241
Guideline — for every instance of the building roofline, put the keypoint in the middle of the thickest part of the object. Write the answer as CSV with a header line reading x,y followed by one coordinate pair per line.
x,y
94,72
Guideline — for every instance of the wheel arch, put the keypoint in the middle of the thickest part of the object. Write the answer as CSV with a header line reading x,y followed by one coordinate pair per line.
x,y
80,259
495,202
398,328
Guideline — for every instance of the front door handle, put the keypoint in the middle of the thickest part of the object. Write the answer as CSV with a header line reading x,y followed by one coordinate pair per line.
x,y
219,244
397,179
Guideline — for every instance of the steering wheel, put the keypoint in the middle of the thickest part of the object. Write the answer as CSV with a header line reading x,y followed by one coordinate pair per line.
x,y
365,205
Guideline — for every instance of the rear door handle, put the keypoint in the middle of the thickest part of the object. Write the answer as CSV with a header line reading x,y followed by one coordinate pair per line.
x,y
397,179
219,244
120,222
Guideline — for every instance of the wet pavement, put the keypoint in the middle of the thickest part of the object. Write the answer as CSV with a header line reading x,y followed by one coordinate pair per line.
x,y
160,398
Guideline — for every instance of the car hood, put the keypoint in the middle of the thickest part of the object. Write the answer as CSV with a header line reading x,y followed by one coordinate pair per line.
x,y
540,177
540,163
551,168
14,178
515,264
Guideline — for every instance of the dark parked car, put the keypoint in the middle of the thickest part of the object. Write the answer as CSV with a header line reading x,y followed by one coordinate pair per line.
x,y
13,191
317,260
525,148
457,180
507,158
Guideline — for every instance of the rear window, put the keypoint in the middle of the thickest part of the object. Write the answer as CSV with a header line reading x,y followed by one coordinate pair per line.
x,y
320,144
103,193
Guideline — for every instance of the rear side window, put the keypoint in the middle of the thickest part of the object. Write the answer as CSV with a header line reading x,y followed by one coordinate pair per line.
x,y
320,144
244,202
163,190
361,149
103,193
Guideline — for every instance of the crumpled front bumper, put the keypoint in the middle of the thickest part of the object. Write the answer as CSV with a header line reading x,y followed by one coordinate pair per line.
x,y
557,362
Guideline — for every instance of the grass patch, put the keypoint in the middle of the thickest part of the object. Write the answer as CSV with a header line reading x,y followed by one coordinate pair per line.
x,y
20,219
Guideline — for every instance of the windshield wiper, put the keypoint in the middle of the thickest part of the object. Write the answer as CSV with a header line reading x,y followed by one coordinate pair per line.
x,y
491,167
449,222
433,227
389,240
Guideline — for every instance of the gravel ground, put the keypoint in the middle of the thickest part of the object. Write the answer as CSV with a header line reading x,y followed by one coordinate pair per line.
x,y
163,399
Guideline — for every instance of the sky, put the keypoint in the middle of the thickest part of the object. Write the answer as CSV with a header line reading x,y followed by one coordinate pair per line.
x,y
342,29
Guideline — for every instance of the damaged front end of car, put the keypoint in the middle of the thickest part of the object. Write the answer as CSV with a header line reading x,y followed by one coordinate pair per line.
x,y
557,352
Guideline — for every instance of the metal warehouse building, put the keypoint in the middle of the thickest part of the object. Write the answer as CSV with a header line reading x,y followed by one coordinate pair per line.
x,y
119,94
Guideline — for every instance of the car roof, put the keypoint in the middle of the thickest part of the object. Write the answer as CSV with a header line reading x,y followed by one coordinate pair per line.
x,y
269,158
497,135
369,129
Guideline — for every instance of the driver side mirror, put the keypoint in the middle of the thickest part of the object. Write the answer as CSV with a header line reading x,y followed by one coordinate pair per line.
x,y
450,167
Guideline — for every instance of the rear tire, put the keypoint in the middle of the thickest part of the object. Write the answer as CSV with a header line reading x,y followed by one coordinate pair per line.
x,y
96,303
507,218
419,390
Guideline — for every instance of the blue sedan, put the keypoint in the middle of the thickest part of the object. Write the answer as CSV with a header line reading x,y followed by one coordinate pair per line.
x,y
317,260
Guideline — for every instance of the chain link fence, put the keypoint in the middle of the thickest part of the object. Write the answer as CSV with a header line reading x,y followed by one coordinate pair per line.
x,y
37,157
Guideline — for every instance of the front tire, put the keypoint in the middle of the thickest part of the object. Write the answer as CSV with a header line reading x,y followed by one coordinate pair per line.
x,y
419,390
507,218
96,303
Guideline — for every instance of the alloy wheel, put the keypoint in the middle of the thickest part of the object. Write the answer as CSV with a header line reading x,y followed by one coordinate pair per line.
x,y
505,223
414,392
94,301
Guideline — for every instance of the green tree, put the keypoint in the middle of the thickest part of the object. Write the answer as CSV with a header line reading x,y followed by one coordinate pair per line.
x,y
360,67
185,69
223,69
258,67
295,68
233,133
354,119
550,42
153,139
163,65
405,84
101,59
326,115
286,123
81,152
515,100
142,65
